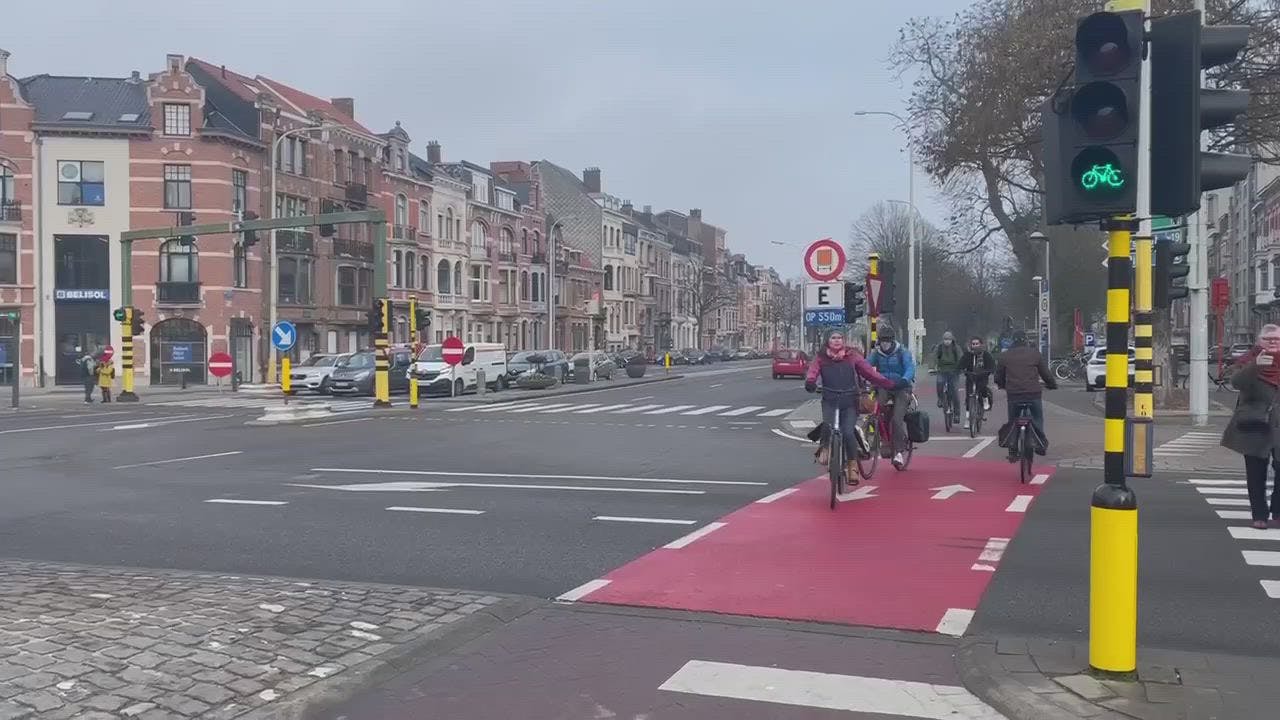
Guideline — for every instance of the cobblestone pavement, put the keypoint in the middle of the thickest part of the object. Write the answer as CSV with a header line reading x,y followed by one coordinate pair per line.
x,y
96,643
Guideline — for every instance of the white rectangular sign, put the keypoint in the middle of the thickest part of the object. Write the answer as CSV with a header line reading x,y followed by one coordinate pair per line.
x,y
823,295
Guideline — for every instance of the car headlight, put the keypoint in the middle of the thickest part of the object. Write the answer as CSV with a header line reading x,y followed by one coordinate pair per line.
x,y
363,375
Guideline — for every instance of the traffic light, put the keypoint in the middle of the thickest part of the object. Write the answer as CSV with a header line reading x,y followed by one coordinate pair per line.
x,y
1181,109
423,319
888,289
118,314
853,302
186,218
138,326
1091,130
250,236
377,316
1171,266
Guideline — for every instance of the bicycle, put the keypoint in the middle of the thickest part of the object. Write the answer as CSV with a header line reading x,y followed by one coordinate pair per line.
x,y
1070,367
836,450
881,440
950,403
976,408
1223,379
1025,449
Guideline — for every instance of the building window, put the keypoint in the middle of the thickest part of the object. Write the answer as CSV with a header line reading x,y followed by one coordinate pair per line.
x,y
458,287
291,156
424,275
239,192
476,282
448,224
8,259
477,235
291,206
524,240
240,261
297,278
608,277
424,217
443,285
7,194
81,182
397,265
402,210
179,262
537,242
339,160
506,242
177,187
524,285
354,285
177,119
410,266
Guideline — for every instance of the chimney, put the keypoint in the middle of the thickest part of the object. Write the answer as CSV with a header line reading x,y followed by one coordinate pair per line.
x,y
174,62
627,207
135,77
433,152
591,178
4,62
346,106
224,72
695,214
648,209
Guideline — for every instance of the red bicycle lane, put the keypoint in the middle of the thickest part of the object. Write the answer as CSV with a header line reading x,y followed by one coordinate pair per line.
x,y
910,550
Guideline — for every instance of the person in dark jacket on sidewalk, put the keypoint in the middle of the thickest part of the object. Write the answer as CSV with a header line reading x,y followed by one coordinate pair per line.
x,y
1254,429
1019,372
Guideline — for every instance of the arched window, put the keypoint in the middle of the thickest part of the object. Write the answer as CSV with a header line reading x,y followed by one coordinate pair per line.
x,y
477,235
410,269
457,278
537,242
524,284
179,262
448,223
506,241
402,210
397,262
608,277
524,240
444,285
8,196
424,275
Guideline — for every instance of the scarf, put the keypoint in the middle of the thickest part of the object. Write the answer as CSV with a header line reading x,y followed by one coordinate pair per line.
x,y
1270,374
838,355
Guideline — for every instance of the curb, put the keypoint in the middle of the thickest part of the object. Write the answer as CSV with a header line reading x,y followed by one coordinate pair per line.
x,y
981,672
311,701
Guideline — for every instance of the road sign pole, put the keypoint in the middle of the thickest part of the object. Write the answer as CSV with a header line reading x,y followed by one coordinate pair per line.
x,y
381,355
127,393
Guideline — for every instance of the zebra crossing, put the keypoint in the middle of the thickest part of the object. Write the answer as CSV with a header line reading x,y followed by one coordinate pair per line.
x,y
545,407
258,402
1192,444
1259,548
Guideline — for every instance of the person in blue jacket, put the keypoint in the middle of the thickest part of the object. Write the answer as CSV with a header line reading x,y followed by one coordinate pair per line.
x,y
894,362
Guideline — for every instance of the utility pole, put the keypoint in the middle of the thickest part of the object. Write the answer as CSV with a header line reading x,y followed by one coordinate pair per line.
x,y
1198,288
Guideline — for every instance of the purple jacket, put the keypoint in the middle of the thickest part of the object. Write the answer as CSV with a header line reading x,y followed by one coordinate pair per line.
x,y
843,374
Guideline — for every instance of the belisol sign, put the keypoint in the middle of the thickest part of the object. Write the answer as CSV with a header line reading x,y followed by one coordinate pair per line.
x,y
82,295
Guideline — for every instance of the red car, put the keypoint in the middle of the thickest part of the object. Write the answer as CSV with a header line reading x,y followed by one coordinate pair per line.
x,y
789,362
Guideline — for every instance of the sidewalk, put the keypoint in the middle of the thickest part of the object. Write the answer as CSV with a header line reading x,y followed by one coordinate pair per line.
x,y
1039,679
96,643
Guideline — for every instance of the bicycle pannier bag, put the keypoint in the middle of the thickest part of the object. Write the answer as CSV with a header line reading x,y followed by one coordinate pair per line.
x,y
866,403
917,423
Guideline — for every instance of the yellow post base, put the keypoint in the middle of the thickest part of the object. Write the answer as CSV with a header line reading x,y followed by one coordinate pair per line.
x,y
413,393
286,382
1113,580
381,387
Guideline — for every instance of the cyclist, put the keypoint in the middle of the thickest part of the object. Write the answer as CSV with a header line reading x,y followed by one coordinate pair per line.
x,y
1019,372
946,362
895,363
977,365
840,367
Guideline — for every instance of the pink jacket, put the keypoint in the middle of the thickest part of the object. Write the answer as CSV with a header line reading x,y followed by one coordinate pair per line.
x,y
836,373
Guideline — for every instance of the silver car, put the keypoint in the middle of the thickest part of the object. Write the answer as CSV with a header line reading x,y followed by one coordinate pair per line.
x,y
313,373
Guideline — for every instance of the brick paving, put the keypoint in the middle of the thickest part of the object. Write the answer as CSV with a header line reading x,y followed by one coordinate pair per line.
x,y
95,643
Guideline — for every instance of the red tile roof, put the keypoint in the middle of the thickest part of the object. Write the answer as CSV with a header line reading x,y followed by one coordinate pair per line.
x,y
288,96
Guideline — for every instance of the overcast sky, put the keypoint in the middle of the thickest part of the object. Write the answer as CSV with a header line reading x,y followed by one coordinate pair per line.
x,y
740,107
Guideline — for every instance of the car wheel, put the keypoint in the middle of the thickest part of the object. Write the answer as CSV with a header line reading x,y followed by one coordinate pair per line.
x,y
324,387
501,384
459,387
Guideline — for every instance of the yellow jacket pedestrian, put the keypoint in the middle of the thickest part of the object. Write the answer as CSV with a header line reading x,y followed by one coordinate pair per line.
x,y
106,374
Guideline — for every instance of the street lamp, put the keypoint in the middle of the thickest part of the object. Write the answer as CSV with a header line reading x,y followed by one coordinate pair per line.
x,y
1046,290
274,301
912,320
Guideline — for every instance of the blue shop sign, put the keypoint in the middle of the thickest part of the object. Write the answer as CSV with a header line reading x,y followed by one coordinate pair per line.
x,y
180,353
82,295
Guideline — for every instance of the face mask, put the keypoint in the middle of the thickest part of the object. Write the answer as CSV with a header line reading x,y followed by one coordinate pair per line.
x,y
946,342
886,347
975,349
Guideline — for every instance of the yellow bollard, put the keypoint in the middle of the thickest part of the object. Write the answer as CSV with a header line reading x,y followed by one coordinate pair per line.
x,y
413,392
286,382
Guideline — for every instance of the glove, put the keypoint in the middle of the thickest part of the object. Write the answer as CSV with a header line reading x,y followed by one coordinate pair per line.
x,y
901,384
811,387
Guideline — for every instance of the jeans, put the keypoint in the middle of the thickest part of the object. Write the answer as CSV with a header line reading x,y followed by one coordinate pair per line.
x,y
1037,414
848,425
1255,472
954,398
897,425
88,389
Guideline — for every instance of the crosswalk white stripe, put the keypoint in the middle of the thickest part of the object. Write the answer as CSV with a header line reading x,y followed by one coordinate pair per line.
x,y
506,407
1197,481
668,410
603,408
1227,501
1235,514
572,408
707,409
1248,533
741,411
1222,491
1271,588
636,409
532,408
775,413
1263,558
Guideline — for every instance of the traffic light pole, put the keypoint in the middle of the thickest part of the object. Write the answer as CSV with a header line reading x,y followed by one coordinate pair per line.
x,y
413,341
1198,299
126,355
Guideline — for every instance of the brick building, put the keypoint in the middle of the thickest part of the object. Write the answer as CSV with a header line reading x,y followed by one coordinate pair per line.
x,y
18,307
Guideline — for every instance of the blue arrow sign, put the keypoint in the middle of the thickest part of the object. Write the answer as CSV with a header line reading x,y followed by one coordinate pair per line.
x,y
284,335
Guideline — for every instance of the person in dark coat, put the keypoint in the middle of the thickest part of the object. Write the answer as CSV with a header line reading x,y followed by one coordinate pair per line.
x,y
1019,372
1254,429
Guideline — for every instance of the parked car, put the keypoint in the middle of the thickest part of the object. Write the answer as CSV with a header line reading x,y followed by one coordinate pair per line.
x,y
744,354
435,376
354,374
789,363
696,357
553,363
1095,371
313,373
605,365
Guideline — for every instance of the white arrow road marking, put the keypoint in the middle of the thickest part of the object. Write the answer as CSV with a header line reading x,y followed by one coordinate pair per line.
x,y
947,492
861,493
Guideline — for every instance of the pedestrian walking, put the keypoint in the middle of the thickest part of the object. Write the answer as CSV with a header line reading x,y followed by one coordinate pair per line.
x,y
1254,429
106,374
88,373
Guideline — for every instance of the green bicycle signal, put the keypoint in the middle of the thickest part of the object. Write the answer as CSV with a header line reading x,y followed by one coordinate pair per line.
x,y
1105,176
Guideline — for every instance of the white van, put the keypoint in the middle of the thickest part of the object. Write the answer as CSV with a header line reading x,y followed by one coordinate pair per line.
x,y
434,374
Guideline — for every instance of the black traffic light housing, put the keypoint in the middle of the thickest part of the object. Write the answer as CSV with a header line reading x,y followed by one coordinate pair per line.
x,y
138,325
853,302
423,320
327,207
186,217
250,236
888,289
1171,266
118,314
1090,130
378,315
1181,109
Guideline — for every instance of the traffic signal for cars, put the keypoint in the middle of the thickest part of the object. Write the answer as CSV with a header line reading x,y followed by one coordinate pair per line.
x,y
119,315
1180,109
250,236
1171,266
137,325
853,301
1091,130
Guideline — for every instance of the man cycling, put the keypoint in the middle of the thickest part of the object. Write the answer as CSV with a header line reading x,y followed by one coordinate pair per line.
x,y
840,367
895,363
946,363
977,366
1019,372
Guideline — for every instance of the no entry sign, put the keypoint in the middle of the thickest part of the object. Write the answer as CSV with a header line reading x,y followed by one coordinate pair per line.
x,y
824,260
452,350
219,364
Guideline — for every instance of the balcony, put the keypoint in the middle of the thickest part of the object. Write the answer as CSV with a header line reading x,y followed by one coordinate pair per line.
x,y
10,212
357,193
507,257
346,248
295,241
177,293
479,252
407,233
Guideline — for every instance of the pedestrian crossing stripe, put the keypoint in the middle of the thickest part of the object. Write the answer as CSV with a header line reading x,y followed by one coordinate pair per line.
x,y
1258,544
1189,444
259,402
542,407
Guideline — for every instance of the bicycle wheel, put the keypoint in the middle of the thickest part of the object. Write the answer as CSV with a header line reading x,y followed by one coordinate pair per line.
x,y
1024,455
867,464
835,466
946,418
973,409
907,451
1061,370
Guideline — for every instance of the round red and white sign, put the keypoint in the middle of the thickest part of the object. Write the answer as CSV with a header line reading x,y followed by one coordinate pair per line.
x,y
220,364
452,350
824,260
108,352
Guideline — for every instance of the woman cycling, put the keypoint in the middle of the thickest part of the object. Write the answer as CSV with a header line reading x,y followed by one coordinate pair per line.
x,y
840,368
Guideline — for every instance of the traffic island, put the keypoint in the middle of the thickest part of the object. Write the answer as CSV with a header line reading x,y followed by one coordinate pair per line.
x,y
293,412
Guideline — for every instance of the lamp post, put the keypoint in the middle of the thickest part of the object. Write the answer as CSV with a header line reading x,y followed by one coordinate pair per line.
x,y
274,300
912,320
1045,298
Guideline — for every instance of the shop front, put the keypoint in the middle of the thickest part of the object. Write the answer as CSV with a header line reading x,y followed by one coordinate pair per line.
x,y
81,301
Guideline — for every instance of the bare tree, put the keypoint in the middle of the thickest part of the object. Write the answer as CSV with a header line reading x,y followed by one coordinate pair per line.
x,y
708,290
784,310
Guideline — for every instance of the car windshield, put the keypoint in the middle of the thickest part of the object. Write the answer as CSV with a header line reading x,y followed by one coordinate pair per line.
x,y
319,361
432,353
359,361
523,357
785,355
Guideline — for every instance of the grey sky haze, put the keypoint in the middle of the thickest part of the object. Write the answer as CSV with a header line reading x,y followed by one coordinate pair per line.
x,y
739,107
